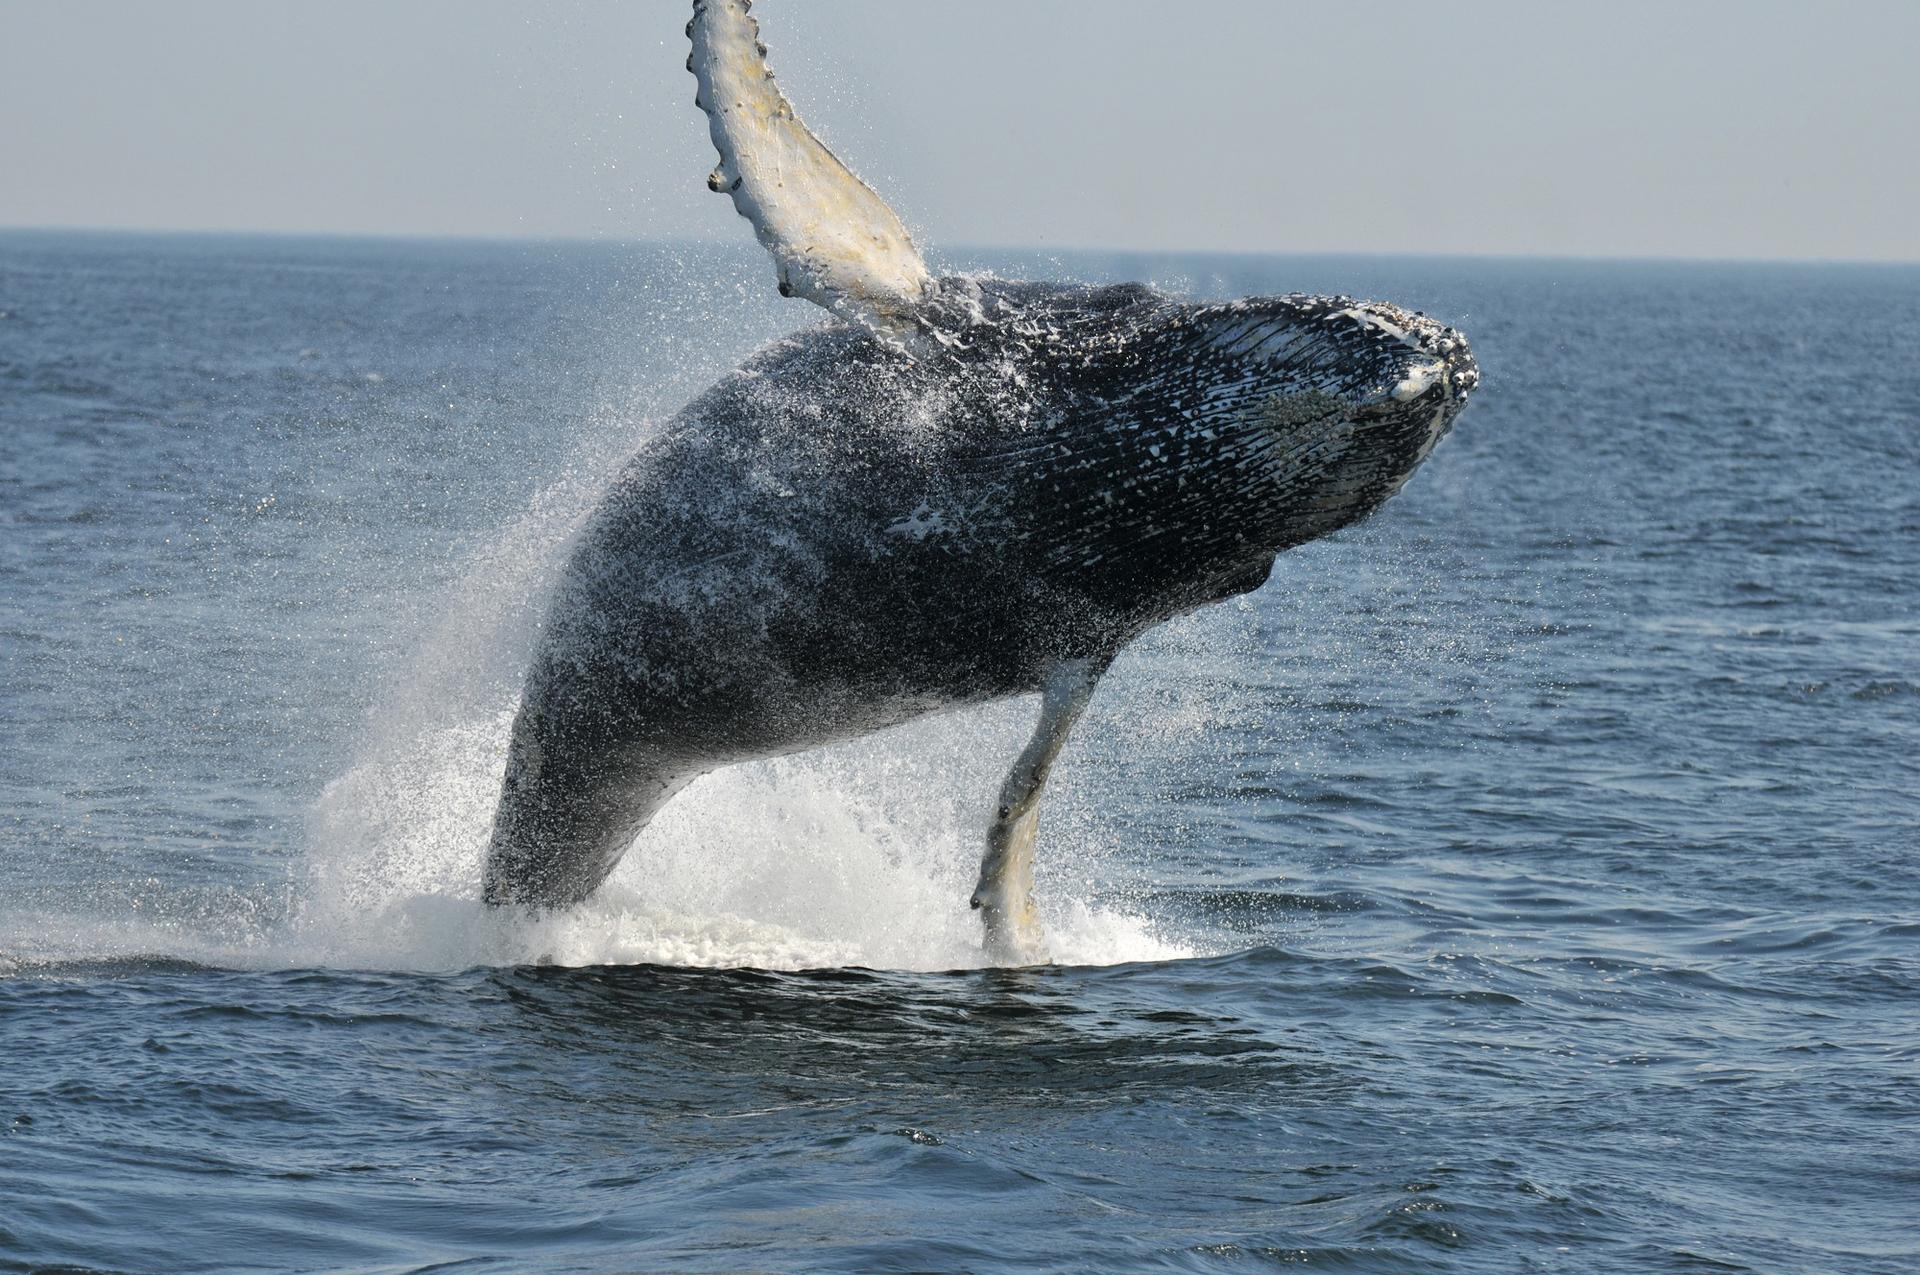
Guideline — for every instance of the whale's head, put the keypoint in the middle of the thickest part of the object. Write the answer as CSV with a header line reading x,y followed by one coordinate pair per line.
x,y
1213,436
1341,400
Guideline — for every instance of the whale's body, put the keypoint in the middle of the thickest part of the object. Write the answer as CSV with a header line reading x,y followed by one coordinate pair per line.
x,y
958,491
839,537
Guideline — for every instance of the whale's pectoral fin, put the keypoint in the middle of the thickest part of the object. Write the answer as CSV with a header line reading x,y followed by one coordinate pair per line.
x,y
834,241
1005,893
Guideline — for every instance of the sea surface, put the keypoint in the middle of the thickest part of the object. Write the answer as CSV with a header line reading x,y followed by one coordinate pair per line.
x,y
1528,880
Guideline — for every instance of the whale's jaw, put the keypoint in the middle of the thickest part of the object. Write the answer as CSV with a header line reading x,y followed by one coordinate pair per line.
x,y
1194,442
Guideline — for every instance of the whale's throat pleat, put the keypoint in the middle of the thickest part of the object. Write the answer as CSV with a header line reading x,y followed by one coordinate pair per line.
x,y
1152,508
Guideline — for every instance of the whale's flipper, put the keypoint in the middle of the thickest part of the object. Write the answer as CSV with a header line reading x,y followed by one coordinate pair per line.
x,y
833,240
1005,893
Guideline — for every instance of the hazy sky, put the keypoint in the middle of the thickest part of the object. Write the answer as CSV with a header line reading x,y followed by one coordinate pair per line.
x,y
1712,128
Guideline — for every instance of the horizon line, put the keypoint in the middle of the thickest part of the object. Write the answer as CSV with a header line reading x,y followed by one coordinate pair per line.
x,y
611,239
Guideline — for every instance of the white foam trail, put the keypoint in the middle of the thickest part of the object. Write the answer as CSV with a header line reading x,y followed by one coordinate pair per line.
x,y
861,854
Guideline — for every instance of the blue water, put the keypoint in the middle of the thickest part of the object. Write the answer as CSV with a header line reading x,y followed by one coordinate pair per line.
x,y
1528,880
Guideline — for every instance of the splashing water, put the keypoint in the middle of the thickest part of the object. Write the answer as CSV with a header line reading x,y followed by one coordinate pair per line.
x,y
860,854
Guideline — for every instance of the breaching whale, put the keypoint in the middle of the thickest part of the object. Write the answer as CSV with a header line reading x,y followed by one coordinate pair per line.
x,y
955,491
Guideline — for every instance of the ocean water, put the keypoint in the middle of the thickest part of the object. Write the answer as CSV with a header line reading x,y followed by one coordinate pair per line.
x,y
1527,880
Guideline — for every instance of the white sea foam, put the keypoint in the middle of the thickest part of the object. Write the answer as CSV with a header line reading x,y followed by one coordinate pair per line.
x,y
862,854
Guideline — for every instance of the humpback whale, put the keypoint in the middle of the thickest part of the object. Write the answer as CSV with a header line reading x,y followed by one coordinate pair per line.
x,y
954,490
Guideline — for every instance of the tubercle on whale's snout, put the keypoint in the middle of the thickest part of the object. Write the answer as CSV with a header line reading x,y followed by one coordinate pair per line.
x,y
1424,375
1428,374
1365,351
1434,352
